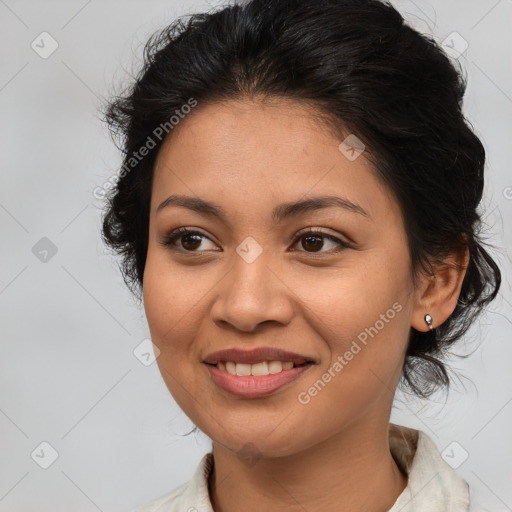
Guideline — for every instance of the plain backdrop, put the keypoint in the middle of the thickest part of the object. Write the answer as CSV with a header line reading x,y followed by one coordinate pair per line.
x,y
73,395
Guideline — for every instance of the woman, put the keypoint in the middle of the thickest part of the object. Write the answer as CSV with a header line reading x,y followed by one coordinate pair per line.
x,y
297,207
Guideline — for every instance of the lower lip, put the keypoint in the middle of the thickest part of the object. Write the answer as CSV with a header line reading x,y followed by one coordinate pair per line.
x,y
251,386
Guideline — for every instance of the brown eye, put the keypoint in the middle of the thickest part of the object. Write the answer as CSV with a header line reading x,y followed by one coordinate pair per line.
x,y
184,240
311,241
191,241
314,242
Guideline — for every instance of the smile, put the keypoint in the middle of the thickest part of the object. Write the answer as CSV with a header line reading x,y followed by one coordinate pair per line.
x,y
263,368
255,386
255,373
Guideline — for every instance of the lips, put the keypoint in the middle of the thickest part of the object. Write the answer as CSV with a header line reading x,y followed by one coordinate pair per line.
x,y
249,386
257,355
232,370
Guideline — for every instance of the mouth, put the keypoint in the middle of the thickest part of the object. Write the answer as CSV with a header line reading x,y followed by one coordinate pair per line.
x,y
256,369
255,373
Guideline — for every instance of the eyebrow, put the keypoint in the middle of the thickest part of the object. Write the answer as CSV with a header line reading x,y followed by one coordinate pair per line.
x,y
279,213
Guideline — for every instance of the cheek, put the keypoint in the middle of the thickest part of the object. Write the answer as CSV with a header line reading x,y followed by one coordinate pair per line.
x,y
172,295
361,319
172,303
177,302
362,365
370,291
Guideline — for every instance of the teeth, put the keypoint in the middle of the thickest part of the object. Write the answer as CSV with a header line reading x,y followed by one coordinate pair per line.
x,y
243,369
275,367
263,368
259,368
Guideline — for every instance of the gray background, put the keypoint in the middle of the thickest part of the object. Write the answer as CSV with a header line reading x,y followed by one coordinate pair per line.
x,y
69,328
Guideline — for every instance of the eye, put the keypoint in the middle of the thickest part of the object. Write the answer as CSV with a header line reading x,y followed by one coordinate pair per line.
x,y
313,241
190,240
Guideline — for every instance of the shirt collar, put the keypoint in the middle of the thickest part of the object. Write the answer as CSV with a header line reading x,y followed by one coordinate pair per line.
x,y
433,486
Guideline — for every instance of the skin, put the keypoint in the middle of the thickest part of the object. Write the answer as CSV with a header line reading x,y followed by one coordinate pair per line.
x,y
247,156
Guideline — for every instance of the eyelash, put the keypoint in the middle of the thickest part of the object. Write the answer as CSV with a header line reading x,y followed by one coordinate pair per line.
x,y
169,240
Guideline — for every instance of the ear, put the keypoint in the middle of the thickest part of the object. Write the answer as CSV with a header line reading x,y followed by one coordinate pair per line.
x,y
437,294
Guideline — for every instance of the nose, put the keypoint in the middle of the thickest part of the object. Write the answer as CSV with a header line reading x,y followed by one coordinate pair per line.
x,y
252,294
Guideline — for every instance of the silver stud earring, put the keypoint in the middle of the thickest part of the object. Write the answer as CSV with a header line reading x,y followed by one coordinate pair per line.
x,y
428,321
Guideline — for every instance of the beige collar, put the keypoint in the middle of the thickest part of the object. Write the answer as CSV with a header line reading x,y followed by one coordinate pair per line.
x,y
433,486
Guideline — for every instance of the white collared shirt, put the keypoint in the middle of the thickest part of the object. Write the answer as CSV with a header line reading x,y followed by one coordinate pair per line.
x,y
433,486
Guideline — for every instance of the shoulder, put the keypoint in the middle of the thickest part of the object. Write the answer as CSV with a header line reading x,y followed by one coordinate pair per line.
x,y
166,502
433,485
190,496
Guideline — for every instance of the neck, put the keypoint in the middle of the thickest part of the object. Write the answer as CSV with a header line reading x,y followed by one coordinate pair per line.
x,y
353,471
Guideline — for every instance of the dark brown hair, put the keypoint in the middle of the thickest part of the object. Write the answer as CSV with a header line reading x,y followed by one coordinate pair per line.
x,y
372,75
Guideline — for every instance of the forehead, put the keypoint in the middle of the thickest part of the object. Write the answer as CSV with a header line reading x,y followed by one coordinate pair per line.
x,y
268,128
253,153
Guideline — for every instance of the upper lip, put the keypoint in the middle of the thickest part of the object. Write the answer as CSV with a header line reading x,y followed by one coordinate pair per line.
x,y
256,355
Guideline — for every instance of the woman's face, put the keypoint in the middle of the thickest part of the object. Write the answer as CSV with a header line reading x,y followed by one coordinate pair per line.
x,y
253,278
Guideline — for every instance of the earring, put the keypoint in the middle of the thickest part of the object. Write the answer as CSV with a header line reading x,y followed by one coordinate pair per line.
x,y
428,321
